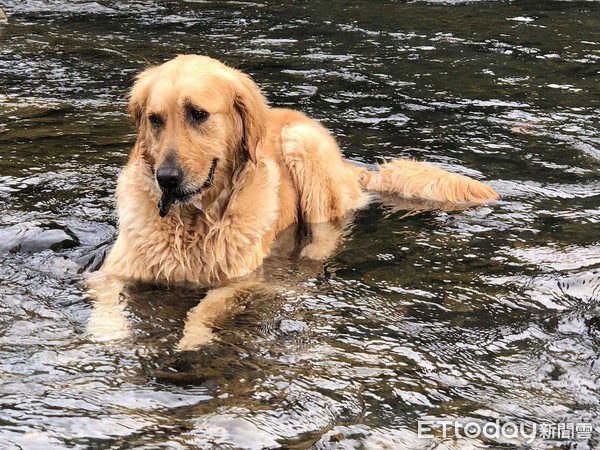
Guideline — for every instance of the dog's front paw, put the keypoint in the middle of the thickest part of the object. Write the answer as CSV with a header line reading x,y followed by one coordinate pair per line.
x,y
195,337
317,251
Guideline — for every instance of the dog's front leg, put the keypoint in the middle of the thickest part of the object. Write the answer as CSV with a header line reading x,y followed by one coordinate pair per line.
x,y
219,305
107,320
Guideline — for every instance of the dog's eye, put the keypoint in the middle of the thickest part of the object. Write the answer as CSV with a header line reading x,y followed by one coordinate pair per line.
x,y
198,115
155,120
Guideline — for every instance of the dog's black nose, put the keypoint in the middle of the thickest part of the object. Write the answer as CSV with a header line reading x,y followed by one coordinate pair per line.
x,y
169,177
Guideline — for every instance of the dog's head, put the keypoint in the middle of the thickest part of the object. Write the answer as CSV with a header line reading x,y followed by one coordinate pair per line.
x,y
198,121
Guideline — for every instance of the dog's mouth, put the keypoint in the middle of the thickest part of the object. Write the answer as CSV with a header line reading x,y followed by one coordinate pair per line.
x,y
182,195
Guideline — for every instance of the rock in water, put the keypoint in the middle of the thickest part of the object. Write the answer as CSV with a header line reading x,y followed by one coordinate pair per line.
x,y
33,238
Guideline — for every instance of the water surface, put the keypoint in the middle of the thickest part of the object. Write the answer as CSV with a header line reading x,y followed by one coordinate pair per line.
x,y
485,314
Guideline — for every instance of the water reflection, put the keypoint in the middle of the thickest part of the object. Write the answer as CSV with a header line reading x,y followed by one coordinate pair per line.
x,y
484,314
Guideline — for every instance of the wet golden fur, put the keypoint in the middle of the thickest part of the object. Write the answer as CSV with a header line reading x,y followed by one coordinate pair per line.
x,y
273,168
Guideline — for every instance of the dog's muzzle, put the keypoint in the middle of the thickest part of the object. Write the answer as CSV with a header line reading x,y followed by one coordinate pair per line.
x,y
170,179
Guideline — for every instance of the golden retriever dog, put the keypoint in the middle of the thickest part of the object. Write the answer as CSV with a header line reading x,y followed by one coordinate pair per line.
x,y
216,175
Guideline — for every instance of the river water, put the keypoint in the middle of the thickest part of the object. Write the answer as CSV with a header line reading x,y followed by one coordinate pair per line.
x,y
472,316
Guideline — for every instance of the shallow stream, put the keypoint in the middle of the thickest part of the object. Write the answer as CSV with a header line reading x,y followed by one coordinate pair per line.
x,y
472,316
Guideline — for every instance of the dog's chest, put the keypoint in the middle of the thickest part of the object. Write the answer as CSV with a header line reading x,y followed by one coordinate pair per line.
x,y
224,238
197,248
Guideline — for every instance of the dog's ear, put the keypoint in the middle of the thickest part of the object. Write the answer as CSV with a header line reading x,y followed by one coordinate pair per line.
x,y
252,107
139,95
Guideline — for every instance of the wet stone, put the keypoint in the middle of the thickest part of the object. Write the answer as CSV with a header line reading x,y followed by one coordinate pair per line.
x,y
34,238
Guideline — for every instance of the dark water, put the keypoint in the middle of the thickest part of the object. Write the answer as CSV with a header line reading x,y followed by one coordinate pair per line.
x,y
491,313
